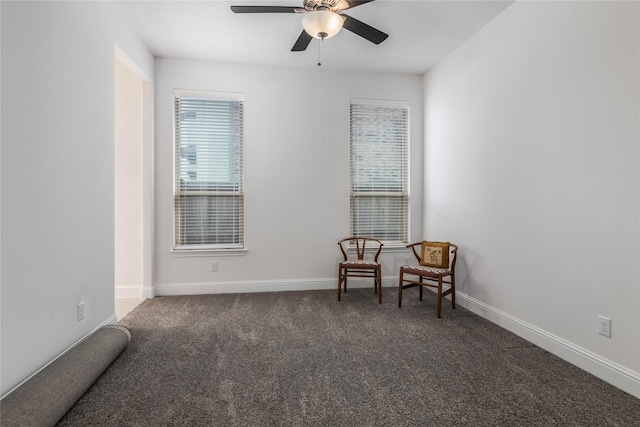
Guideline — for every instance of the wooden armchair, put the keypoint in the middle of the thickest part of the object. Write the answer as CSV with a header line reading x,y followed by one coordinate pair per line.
x,y
436,261
360,267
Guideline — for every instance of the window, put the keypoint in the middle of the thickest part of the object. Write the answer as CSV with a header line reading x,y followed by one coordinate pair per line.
x,y
379,170
208,196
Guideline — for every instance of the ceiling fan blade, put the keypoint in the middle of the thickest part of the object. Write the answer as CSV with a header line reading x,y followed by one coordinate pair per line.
x,y
265,9
354,3
363,30
302,42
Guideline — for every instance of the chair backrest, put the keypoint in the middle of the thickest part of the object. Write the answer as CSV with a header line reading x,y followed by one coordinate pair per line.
x,y
453,250
361,244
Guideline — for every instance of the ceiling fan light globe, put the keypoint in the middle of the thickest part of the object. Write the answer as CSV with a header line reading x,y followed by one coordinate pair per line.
x,y
322,24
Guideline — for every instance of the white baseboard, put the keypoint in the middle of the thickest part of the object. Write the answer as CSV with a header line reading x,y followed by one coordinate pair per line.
x,y
147,292
170,289
141,292
611,372
123,292
111,320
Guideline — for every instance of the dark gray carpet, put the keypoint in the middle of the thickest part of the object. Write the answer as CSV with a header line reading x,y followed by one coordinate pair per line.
x,y
302,358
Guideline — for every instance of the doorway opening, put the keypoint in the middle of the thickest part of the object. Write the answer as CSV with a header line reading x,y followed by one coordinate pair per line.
x,y
133,177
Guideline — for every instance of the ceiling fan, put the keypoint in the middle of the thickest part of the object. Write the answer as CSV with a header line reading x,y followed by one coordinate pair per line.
x,y
322,19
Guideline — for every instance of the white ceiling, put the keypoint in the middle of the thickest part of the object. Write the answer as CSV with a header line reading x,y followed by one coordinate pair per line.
x,y
421,33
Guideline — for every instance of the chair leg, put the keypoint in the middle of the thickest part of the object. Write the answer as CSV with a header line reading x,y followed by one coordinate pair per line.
x,y
379,284
339,280
420,288
453,291
400,288
439,296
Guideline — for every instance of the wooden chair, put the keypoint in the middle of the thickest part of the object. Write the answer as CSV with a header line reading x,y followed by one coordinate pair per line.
x,y
430,276
360,267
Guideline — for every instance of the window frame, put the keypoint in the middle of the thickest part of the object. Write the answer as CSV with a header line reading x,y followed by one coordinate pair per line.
x,y
403,192
239,248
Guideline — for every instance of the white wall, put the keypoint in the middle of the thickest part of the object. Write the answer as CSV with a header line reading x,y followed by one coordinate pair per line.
x,y
532,166
296,173
128,219
57,175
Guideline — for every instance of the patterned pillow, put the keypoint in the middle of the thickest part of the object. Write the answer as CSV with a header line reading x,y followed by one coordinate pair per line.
x,y
435,254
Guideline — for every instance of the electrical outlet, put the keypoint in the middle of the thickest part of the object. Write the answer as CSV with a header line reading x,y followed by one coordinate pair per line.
x,y
81,311
214,266
604,326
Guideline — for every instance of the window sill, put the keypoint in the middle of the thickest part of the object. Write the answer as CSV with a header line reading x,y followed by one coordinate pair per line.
x,y
387,247
184,253
395,247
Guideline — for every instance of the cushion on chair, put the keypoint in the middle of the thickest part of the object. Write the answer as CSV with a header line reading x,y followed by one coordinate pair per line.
x,y
360,263
435,254
425,270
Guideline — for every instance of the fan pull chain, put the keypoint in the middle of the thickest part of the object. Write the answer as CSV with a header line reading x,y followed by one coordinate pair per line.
x,y
319,44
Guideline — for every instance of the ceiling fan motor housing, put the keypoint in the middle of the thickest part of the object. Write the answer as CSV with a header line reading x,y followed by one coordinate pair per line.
x,y
332,5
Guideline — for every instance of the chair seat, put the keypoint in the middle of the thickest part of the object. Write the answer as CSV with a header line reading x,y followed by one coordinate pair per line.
x,y
359,263
426,270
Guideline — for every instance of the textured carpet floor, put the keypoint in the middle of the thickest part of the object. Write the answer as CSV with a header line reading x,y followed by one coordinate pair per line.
x,y
302,358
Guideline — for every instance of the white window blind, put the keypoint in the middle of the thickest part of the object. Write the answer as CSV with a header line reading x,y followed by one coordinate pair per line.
x,y
209,201
379,171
